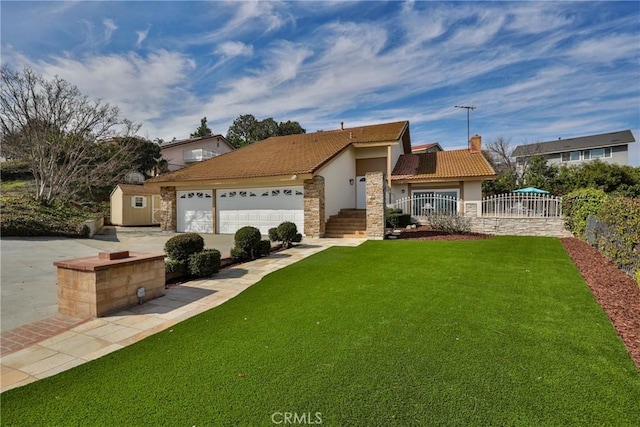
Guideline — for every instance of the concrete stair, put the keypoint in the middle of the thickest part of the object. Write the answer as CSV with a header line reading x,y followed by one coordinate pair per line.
x,y
348,223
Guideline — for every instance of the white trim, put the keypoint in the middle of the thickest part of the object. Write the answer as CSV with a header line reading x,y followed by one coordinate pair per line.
x,y
135,199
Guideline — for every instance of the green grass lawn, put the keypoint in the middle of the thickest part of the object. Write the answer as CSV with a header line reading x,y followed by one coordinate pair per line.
x,y
500,331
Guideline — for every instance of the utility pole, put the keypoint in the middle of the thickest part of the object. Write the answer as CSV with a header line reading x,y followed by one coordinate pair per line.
x,y
468,108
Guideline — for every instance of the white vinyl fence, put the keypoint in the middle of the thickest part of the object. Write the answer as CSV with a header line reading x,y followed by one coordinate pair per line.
x,y
425,204
513,205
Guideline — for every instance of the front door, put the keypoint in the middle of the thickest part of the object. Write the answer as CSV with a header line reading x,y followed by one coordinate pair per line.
x,y
361,192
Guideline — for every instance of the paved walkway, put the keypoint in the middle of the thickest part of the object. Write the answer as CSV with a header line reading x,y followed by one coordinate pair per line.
x,y
94,338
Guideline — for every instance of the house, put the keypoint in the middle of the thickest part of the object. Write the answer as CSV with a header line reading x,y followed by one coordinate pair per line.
x,y
135,205
316,180
426,148
179,154
608,147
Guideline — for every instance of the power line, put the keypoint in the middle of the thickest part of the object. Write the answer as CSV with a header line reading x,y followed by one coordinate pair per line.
x,y
468,108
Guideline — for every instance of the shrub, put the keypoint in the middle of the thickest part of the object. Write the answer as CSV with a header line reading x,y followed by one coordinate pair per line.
x,y
449,223
297,238
182,246
248,239
578,205
238,254
205,263
273,234
619,236
13,170
264,247
287,233
396,219
174,266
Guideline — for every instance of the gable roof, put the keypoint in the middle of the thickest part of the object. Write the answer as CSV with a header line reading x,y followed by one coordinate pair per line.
x,y
580,143
286,155
442,165
424,147
198,139
136,189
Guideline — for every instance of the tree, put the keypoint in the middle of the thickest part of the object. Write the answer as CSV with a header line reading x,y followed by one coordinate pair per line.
x,y
246,129
203,129
539,174
499,153
61,134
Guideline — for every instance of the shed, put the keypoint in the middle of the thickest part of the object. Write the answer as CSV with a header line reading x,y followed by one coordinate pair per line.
x,y
134,205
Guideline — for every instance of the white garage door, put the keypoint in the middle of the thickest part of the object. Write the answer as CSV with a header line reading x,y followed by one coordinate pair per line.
x,y
263,208
195,211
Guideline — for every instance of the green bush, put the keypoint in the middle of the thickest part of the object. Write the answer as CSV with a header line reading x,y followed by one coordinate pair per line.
x,y
23,216
174,266
13,170
182,246
265,247
205,263
449,223
238,254
620,239
286,232
578,205
248,239
396,219
273,234
297,238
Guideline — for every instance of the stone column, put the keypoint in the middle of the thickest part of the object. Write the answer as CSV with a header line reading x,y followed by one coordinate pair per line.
x,y
471,209
375,205
314,207
168,217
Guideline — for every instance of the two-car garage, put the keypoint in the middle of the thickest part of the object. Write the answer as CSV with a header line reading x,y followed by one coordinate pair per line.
x,y
263,208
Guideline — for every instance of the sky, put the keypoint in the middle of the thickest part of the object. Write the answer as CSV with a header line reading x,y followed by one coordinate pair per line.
x,y
534,71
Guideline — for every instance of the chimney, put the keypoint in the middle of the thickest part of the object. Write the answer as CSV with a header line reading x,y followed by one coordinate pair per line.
x,y
475,144
341,125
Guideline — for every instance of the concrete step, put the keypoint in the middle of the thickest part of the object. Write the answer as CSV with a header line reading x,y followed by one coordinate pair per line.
x,y
345,235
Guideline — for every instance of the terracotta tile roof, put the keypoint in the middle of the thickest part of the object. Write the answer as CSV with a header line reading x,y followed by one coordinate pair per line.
x,y
285,155
442,165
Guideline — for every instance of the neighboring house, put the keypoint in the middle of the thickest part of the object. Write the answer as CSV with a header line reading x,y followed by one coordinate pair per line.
x,y
179,154
309,179
133,205
608,147
430,147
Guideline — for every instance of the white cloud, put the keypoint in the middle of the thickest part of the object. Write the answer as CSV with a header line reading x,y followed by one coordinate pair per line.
x,y
608,49
234,48
142,36
109,28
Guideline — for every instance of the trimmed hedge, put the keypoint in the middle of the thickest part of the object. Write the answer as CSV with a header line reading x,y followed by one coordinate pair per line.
x,y
205,263
248,240
396,219
578,205
286,232
182,246
618,234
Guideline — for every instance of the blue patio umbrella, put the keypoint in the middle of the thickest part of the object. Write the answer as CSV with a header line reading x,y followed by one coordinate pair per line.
x,y
530,190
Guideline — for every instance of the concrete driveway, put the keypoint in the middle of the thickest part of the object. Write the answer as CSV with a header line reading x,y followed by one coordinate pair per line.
x,y
28,276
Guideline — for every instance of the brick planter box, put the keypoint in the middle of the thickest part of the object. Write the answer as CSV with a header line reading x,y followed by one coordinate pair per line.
x,y
94,286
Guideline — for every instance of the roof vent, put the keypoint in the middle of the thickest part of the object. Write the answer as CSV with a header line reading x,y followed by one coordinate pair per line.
x,y
341,125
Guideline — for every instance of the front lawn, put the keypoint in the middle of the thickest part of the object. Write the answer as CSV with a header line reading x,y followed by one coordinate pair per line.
x,y
501,331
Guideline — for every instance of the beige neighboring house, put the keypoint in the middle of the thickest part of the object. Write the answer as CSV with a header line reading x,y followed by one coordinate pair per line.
x,y
430,147
135,205
314,180
185,152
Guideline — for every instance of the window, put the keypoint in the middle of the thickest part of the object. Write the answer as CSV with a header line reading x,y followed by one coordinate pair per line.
x,y
574,156
138,202
599,153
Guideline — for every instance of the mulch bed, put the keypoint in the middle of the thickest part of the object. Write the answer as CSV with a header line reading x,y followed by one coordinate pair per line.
x,y
616,292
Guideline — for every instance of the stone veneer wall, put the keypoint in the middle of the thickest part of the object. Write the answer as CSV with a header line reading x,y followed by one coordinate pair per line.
x,y
89,287
314,207
375,196
169,215
550,227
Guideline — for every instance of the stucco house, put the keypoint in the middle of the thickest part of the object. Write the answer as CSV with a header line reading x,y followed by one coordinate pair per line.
x,y
185,152
315,180
610,147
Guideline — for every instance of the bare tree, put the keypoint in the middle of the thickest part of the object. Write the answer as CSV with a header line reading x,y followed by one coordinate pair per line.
x,y
66,139
501,154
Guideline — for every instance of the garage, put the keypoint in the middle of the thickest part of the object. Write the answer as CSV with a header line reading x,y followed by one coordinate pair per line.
x,y
195,211
262,208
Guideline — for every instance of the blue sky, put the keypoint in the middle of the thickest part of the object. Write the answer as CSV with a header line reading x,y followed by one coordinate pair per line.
x,y
536,71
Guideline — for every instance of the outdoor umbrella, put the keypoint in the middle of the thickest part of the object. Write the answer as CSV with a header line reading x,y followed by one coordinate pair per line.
x,y
531,190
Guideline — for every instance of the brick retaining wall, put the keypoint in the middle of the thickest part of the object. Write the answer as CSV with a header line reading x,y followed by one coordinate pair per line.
x,y
550,227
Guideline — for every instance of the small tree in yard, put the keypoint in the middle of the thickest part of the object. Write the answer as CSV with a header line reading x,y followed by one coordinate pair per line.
x,y
61,134
286,232
247,241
